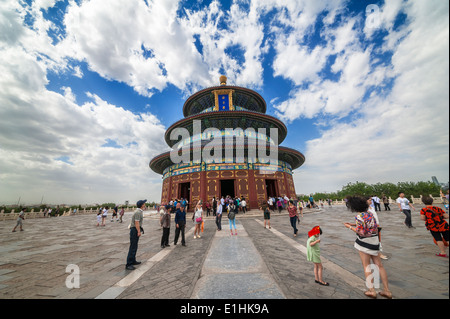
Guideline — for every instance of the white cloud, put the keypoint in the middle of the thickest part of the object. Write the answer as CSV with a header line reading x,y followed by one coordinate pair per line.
x,y
399,109
40,127
298,63
243,34
77,72
148,47
403,136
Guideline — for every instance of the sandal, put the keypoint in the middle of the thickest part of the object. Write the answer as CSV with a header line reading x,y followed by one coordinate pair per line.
x,y
322,283
387,295
371,294
442,255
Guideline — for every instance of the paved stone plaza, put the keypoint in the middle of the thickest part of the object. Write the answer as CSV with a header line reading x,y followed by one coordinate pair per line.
x,y
258,263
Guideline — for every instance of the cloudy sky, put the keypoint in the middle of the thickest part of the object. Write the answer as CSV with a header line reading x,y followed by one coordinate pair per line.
x,y
88,88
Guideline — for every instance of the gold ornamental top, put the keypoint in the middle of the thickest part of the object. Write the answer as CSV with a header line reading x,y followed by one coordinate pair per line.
x,y
223,80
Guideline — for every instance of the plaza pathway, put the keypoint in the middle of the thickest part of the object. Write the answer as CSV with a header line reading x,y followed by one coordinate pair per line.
x,y
258,263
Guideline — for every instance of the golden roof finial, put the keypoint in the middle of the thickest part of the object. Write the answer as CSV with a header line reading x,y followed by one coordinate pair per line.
x,y
223,80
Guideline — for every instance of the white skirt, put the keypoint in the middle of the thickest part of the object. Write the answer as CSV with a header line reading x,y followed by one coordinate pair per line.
x,y
368,245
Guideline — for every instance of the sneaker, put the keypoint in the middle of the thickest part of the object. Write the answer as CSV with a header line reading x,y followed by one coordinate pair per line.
x,y
195,236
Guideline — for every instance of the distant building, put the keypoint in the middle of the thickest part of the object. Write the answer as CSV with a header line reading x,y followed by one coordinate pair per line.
x,y
435,180
441,185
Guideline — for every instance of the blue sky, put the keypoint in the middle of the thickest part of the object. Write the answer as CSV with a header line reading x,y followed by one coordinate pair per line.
x,y
87,91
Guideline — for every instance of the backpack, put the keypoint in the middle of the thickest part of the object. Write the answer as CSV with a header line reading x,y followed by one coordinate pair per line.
x,y
231,215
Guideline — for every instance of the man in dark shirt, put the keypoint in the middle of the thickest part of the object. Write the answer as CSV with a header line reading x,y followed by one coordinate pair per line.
x,y
180,221
165,222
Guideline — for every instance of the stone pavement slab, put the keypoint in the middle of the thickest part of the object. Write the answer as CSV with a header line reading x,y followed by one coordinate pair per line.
x,y
33,263
234,269
413,269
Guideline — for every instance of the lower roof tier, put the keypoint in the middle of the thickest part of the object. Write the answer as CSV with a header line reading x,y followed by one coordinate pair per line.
x,y
288,160
175,170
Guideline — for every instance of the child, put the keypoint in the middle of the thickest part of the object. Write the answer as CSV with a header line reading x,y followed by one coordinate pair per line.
x,y
266,216
313,254
99,217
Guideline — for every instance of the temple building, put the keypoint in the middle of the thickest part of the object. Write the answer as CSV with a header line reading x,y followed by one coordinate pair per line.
x,y
226,146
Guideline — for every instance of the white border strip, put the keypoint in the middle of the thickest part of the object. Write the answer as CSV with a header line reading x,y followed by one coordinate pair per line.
x,y
350,278
114,291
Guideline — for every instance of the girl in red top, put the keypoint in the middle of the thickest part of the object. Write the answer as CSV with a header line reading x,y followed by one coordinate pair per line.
x,y
293,216
435,223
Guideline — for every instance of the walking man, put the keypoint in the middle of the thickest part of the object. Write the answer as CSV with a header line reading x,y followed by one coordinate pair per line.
x,y
376,202
19,220
244,205
135,232
404,206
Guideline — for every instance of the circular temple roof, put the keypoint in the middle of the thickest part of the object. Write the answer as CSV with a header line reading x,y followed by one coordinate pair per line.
x,y
230,119
242,97
249,112
296,159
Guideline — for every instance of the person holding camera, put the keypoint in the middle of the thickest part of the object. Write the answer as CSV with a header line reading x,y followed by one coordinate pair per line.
x,y
368,245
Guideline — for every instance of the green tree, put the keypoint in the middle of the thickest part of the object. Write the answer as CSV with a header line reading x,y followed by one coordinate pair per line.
x,y
389,189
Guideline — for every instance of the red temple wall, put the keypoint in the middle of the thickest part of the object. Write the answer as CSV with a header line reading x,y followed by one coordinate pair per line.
x,y
250,184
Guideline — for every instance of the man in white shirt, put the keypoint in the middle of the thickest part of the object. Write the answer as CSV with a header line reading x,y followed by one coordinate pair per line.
x,y
270,203
404,206
376,202
19,220
244,205
135,232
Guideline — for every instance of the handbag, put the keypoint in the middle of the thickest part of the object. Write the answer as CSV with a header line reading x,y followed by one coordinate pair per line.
x,y
198,219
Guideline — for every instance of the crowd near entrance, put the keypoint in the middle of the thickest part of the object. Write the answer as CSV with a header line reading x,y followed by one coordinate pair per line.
x,y
227,188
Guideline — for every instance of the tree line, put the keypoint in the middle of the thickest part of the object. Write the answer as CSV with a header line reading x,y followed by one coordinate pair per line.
x,y
389,189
